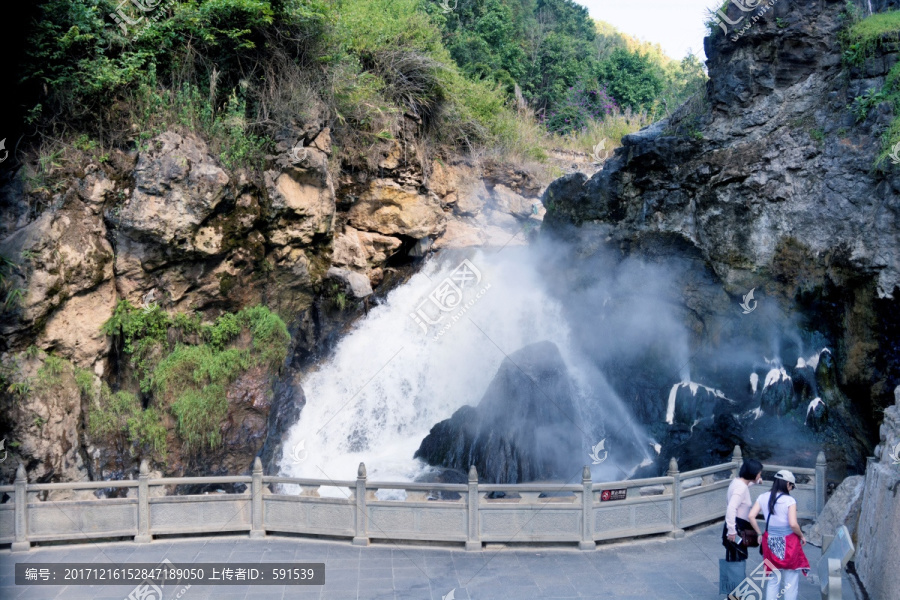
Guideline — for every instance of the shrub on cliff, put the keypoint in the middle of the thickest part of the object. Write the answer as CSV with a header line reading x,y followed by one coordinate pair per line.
x,y
186,366
240,70
861,40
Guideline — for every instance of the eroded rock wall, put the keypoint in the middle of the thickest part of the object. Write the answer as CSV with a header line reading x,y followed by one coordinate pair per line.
x,y
169,225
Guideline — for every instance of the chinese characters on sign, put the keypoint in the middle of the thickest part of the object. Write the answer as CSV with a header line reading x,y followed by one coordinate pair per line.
x,y
607,495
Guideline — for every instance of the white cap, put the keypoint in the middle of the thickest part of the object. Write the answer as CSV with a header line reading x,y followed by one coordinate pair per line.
x,y
786,475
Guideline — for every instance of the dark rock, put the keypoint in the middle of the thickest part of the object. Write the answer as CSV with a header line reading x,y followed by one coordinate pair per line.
x,y
524,428
778,396
287,403
770,184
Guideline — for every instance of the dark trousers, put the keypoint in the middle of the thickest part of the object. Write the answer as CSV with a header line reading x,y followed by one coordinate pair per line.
x,y
734,552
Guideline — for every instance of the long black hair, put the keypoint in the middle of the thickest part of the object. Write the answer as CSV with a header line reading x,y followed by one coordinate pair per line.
x,y
779,487
750,469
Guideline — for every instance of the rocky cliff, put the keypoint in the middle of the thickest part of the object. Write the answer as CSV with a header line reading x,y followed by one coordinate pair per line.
x,y
764,185
878,537
168,226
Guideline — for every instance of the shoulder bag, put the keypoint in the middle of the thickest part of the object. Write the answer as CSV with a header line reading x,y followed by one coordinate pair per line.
x,y
774,504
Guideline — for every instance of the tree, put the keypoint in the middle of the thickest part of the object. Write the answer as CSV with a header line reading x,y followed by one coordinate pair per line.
x,y
632,78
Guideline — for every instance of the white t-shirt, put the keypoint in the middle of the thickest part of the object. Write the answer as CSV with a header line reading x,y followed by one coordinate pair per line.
x,y
780,516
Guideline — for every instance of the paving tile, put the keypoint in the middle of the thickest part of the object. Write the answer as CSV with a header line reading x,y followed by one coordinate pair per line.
x,y
661,569
423,588
376,595
342,563
332,584
343,551
374,575
263,593
459,593
376,584
337,596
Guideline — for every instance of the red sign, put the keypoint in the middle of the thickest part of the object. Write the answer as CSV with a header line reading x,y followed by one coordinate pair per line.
x,y
607,495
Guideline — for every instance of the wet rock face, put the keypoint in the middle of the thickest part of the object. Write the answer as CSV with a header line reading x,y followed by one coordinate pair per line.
x,y
522,430
770,183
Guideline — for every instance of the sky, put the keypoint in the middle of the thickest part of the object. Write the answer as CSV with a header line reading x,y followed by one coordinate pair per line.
x,y
676,25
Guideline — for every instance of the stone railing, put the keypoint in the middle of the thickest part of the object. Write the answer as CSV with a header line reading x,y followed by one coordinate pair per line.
x,y
470,513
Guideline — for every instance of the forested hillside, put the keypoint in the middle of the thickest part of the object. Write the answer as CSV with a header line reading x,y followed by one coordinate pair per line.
x,y
563,61
238,70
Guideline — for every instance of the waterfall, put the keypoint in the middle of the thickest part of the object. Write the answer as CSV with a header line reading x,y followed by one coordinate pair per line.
x,y
388,381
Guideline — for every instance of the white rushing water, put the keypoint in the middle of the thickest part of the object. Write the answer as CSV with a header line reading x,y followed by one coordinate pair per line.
x,y
387,382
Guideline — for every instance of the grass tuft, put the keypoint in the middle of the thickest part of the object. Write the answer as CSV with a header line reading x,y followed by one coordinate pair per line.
x,y
187,365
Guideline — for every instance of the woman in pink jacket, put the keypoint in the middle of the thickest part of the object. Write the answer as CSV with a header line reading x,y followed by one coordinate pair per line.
x,y
782,543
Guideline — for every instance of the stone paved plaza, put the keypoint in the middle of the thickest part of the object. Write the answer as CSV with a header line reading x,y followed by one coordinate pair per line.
x,y
655,568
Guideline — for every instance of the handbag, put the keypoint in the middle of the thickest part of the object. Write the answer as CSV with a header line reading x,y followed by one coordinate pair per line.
x,y
746,536
731,574
749,538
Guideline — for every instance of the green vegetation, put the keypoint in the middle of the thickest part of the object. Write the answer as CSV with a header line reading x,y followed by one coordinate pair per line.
x,y
186,365
334,296
860,40
864,36
712,21
891,137
863,104
238,71
10,295
548,48
50,373
120,417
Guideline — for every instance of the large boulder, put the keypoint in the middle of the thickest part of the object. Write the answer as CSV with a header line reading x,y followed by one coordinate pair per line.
x,y
842,509
305,207
387,208
524,428
363,249
177,185
356,284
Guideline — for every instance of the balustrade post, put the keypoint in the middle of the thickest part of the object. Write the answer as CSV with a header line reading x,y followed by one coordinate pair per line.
x,y
820,482
473,539
257,529
143,536
738,459
361,538
587,511
21,511
677,531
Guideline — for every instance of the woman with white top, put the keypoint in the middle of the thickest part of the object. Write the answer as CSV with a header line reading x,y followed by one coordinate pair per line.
x,y
738,509
782,544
